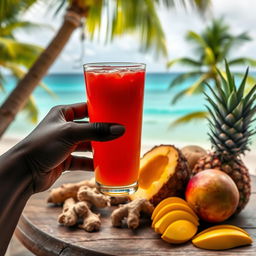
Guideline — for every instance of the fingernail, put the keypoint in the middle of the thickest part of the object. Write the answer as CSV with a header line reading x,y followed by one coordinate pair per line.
x,y
117,129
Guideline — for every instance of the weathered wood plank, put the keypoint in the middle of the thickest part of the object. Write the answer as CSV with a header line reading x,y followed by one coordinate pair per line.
x,y
39,231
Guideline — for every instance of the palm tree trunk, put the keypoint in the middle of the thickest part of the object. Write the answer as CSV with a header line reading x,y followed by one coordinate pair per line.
x,y
19,96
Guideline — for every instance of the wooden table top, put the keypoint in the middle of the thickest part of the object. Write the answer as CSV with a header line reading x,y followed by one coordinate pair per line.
x,y
39,231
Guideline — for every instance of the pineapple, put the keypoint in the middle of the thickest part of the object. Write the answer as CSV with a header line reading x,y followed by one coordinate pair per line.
x,y
231,114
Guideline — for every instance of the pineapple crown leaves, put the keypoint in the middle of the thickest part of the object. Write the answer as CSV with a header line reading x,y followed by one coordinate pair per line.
x,y
231,113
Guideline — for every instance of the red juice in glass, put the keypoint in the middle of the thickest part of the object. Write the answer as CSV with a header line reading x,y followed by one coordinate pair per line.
x,y
115,95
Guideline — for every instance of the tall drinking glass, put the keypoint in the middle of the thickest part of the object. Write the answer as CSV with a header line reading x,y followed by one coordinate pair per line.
x,y
115,95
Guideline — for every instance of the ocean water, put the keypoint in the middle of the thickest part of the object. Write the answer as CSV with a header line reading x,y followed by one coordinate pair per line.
x,y
158,111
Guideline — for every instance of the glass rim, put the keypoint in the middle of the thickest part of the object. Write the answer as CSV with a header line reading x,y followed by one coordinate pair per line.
x,y
114,65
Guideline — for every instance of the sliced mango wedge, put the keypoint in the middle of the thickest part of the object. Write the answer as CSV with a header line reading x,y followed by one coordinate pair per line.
x,y
171,207
172,216
179,232
165,202
220,227
221,239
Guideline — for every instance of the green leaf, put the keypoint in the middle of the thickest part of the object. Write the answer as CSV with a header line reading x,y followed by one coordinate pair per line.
x,y
48,90
238,110
240,91
8,29
229,77
196,38
250,94
215,107
215,122
242,61
19,53
184,61
232,101
226,91
219,100
183,77
32,110
178,96
199,83
209,56
194,88
194,116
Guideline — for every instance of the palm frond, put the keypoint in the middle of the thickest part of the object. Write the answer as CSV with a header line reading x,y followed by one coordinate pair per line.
x,y
196,38
194,87
9,28
20,53
178,80
209,56
18,73
10,9
194,116
242,61
31,110
203,5
228,42
184,61
48,90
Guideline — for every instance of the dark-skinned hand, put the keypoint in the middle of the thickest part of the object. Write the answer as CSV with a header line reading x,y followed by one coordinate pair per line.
x,y
48,148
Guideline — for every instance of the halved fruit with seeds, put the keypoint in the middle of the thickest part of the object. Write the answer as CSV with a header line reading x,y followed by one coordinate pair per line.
x,y
163,173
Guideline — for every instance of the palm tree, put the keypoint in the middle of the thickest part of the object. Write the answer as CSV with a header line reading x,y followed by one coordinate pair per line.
x,y
123,16
212,46
17,56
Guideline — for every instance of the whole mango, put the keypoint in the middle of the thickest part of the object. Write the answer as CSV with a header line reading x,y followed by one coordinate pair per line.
x,y
213,195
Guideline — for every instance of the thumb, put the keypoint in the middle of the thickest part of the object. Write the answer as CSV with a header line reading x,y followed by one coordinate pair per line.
x,y
95,131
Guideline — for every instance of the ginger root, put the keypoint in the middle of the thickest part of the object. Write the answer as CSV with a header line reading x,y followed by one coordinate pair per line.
x,y
72,211
65,191
132,211
68,217
78,199
91,222
93,196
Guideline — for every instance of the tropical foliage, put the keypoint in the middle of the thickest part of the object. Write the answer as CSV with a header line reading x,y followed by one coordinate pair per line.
x,y
17,56
111,18
124,17
212,46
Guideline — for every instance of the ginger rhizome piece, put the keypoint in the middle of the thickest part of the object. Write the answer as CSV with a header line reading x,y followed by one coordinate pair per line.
x,y
68,217
132,211
93,196
78,200
72,211
65,191
91,221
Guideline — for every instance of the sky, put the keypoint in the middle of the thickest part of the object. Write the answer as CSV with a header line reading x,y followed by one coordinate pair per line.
x,y
240,15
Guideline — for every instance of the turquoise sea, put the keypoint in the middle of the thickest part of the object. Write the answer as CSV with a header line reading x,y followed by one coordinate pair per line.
x,y
158,111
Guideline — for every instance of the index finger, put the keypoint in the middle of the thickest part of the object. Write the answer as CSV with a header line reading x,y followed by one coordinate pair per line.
x,y
75,111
